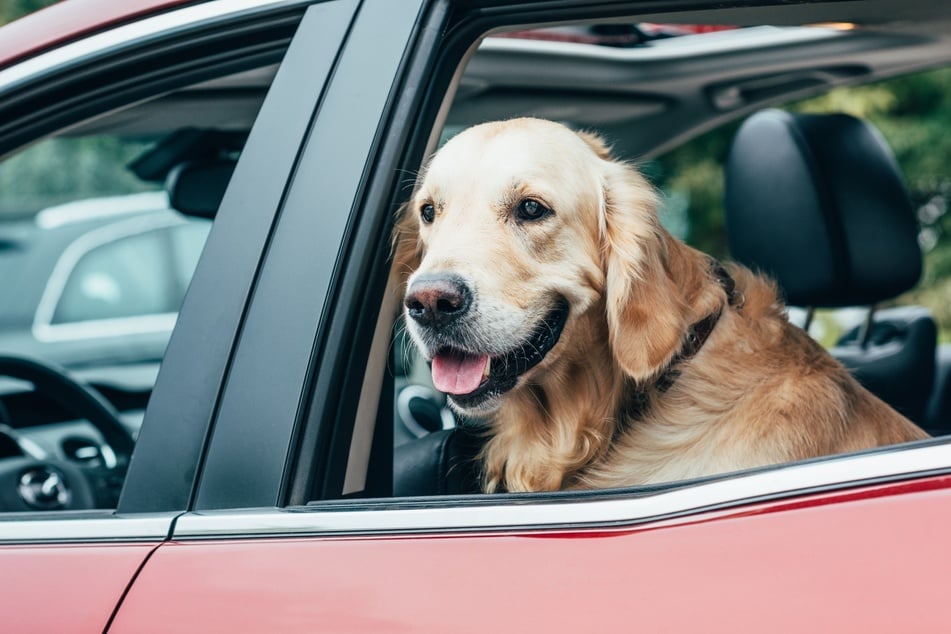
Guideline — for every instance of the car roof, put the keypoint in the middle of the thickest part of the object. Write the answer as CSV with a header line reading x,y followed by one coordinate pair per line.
x,y
652,97
67,21
645,99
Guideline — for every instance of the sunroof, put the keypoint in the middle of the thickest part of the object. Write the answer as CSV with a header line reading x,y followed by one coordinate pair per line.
x,y
648,41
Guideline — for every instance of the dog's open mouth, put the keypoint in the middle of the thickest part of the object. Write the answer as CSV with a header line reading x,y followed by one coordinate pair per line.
x,y
470,378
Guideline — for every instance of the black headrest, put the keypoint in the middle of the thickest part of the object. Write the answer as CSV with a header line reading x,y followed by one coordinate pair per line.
x,y
196,188
818,202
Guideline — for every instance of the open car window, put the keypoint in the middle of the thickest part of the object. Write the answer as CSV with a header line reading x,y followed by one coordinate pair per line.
x,y
683,156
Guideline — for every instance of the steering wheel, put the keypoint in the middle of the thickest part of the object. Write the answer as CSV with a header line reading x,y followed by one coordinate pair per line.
x,y
28,483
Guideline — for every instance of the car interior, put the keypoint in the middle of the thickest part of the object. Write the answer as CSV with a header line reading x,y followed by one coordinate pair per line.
x,y
835,226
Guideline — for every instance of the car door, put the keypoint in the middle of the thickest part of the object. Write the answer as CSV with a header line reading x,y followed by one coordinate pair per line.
x,y
288,530
67,570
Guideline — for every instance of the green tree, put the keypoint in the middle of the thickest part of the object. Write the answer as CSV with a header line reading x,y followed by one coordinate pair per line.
x,y
12,9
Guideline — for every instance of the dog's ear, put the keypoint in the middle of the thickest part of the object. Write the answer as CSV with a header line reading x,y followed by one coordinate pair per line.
x,y
406,248
596,143
647,312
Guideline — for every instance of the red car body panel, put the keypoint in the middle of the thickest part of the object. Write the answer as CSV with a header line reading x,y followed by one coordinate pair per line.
x,y
67,21
65,588
862,564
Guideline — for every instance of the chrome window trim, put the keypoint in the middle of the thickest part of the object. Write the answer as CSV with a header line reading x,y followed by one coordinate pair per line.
x,y
21,529
43,327
525,514
131,34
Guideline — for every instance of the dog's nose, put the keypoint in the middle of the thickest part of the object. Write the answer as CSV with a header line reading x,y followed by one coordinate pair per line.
x,y
437,300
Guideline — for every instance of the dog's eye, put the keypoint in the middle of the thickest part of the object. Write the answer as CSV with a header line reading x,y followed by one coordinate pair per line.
x,y
427,212
530,209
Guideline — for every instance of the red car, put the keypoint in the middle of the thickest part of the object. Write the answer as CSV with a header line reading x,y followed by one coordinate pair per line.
x,y
288,471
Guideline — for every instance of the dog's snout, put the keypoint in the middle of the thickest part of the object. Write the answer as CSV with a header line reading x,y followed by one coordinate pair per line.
x,y
436,301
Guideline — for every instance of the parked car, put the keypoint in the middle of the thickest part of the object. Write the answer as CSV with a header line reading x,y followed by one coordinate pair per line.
x,y
256,483
98,281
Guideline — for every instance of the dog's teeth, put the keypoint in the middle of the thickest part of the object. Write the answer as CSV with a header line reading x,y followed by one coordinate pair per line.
x,y
488,364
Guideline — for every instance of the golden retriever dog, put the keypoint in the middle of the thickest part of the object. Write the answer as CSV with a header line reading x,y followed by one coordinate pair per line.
x,y
600,350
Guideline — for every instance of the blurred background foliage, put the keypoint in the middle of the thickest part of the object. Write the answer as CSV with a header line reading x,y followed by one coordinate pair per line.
x,y
12,9
65,169
913,113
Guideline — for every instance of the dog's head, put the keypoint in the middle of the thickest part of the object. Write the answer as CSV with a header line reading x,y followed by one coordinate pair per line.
x,y
519,234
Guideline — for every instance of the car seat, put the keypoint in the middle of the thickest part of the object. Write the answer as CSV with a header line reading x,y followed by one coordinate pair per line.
x,y
432,456
938,416
818,203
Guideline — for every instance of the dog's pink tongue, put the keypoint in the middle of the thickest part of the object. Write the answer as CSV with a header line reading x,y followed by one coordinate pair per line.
x,y
457,372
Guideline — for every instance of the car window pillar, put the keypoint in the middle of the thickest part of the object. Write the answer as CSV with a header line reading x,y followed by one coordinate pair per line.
x,y
164,467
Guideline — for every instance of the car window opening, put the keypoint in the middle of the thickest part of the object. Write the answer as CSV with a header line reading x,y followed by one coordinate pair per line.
x,y
690,180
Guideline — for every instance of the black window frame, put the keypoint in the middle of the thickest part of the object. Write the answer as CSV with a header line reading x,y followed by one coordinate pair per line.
x,y
179,422
287,362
